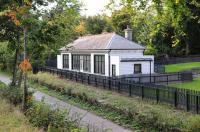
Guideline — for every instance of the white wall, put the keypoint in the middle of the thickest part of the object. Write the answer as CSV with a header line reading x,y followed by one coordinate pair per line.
x,y
115,57
59,62
114,60
128,67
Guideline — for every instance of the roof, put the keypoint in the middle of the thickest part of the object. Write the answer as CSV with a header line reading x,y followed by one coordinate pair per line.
x,y
103,41
135,59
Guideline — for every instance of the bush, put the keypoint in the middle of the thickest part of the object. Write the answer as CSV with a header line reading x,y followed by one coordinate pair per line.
x,y
13,94
41,115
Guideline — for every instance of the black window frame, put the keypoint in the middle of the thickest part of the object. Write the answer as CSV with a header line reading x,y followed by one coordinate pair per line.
x,y
66,61
99,64
76,60
137,71
86,63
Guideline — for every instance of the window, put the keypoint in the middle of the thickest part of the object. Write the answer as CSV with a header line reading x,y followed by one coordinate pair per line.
x,y
76,62
81,62
137,68
99,64
86,63
113,70
65,61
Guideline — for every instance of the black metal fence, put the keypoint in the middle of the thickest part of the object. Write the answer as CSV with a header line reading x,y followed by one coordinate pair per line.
x,y
186,99
160,78
175,60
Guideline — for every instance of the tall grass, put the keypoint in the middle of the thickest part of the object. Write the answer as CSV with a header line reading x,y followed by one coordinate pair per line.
x,y
13,120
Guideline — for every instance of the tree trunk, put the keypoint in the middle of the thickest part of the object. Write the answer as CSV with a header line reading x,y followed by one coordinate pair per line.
x,y
187,48
25,91
20,79
14,74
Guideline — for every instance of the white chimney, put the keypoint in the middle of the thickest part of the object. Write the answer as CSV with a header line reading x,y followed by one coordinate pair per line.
x,y
128,33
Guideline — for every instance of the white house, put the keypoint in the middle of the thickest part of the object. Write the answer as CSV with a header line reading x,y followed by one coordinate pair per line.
x,y
107,54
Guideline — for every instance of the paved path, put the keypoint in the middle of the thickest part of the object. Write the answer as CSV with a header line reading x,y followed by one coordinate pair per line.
x,y
95,123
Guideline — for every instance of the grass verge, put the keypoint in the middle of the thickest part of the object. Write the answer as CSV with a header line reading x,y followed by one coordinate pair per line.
x,y
12,119
194,85
147,114
181,66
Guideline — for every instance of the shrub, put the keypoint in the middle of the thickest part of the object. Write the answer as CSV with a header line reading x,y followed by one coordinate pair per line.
x,y
13,94
41,115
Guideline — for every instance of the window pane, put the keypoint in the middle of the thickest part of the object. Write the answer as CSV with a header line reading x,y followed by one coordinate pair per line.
x,y
76,62
113,70
137,68
99,64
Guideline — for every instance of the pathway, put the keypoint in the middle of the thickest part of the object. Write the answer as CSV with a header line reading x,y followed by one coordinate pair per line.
x,y
95,123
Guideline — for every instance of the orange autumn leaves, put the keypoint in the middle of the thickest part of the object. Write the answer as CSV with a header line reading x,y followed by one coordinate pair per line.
x,y
25,65
20,10
13,16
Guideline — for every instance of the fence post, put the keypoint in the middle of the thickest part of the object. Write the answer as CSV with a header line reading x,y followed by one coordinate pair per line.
x,y
187,101
119,86
130,90
103,83
109,83
88,79
82,78
197,104
95,81
175,98
157,95
167,80
142,92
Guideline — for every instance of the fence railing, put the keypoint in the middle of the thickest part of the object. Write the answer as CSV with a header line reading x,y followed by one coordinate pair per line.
x,y
180,98
175,60
160,78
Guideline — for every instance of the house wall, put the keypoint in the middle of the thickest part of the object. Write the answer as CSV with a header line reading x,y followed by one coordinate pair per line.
x,y
59,62
123,68
115,57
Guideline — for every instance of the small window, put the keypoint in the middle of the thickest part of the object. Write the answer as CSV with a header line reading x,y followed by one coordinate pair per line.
x,y
137,69
113,70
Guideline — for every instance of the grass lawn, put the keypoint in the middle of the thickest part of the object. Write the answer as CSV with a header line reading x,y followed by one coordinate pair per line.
x,y
12,119
182,66
194,85
145,112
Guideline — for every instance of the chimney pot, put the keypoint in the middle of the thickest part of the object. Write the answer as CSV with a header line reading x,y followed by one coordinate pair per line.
x,y
128,33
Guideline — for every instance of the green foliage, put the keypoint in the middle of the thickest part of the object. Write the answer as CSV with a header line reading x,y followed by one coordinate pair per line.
x,y
97,24
170,27
13,94
12,119
43,116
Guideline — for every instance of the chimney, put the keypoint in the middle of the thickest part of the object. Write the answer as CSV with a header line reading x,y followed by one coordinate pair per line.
x,y
128,33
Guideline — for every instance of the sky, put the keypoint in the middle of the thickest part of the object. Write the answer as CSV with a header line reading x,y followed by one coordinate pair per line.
x,y
93,7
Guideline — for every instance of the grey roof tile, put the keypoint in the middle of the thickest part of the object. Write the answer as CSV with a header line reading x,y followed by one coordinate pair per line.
x,y
102,42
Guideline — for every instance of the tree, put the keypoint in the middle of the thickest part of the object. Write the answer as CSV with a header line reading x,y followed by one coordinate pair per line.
x,y
97,24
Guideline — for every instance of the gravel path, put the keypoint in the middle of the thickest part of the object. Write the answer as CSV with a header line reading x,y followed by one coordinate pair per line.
x,y
94,122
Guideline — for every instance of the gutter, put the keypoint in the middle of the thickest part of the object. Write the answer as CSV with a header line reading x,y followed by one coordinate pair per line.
x,y
109,62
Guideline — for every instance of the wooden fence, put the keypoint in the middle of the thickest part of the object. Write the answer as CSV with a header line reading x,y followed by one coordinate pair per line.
x,y
186,99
